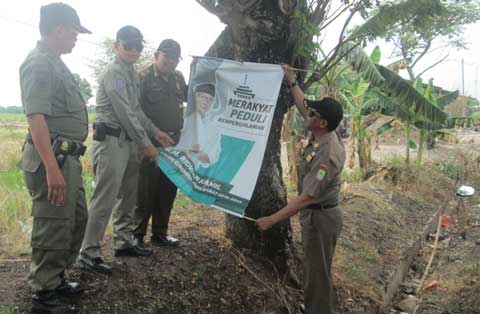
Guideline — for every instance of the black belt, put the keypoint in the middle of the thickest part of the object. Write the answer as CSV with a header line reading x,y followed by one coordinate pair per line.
x,y
321,206
116,132
64,146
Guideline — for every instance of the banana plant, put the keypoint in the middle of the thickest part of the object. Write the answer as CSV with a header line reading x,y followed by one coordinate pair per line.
x,y
353,99
420,110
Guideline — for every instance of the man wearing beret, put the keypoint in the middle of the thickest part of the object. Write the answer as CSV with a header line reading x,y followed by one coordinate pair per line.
x,y
319,187
58,126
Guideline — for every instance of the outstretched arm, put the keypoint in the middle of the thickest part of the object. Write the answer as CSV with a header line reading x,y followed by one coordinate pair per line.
x,y
297,93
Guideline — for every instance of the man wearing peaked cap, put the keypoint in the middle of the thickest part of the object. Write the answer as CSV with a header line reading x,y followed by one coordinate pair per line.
x,y
318,200
58,126
121,130
162,93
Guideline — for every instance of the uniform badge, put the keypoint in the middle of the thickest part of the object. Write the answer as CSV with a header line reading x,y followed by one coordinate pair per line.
x,y
119,85
322,172
64,146
308,158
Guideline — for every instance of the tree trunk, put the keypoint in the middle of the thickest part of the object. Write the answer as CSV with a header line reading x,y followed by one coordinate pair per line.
x,y
351,142
268,43
421,147
407,136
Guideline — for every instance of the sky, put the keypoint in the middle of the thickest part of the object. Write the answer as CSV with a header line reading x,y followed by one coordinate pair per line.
x,y
183,20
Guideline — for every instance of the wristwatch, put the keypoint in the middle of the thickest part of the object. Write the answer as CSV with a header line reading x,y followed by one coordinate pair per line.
x,y
293,84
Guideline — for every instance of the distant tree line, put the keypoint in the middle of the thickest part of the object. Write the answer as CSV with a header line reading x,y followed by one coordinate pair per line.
x,y
19,110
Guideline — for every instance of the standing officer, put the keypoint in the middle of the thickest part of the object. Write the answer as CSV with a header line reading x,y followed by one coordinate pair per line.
x,y
120,130
58,126
162,92
319,187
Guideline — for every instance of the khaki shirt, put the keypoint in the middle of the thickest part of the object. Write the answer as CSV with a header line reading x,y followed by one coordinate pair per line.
x,y
48,88
161,99
321,168
118,103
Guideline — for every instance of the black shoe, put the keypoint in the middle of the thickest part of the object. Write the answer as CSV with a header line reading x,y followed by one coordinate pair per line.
x,y
135,250
47,302
139,240
93,264
67,289
164,241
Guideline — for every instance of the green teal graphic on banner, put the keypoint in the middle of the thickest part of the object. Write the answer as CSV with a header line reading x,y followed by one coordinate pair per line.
x,y
229,114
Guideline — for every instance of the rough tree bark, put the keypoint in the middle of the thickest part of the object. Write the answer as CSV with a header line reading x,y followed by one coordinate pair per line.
x,y
269,31
260,33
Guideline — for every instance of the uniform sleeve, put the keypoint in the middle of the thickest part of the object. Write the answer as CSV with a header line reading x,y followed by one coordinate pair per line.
x,y
37,85
148,125
115,83
315,182
182,89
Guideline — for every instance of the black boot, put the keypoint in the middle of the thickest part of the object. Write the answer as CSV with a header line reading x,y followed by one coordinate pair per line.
x,y
47,302
67,289
138,240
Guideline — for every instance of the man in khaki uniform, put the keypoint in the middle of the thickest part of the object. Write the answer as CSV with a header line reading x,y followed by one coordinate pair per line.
x,y
319,187
58,126
121,129
162,92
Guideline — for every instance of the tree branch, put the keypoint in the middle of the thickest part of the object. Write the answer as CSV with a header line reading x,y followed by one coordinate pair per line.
x,y
433,65
423,53
210,7
319,13
331,19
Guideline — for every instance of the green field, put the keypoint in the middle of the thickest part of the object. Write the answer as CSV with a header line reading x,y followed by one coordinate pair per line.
x,y
15,202
8,118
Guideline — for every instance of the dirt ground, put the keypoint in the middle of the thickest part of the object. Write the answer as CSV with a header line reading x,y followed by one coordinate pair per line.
x,y
382,215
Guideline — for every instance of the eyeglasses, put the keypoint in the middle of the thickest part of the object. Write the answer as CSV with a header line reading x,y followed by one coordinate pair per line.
x,y
207,97
133,44
170,57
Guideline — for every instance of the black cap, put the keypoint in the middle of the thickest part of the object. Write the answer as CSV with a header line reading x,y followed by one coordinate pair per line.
x,y
129,33
330,109
54,14
171,48
206,88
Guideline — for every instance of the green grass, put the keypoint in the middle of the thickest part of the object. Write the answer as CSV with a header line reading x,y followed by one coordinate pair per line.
x,y
354,175
12,117
182,201
450,168
6,310
397,160
20,118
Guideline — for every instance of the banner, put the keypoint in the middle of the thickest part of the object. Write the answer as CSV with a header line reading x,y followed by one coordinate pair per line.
x,y
229,113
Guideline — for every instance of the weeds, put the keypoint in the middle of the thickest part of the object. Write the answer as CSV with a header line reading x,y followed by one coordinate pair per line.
x,y
450,168
6,310
354,175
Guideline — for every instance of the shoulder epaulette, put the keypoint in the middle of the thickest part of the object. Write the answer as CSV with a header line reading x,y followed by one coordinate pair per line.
x,y
144,71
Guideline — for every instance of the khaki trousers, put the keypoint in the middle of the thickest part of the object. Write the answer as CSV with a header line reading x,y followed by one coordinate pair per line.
x,y
320,231
115,164
57,231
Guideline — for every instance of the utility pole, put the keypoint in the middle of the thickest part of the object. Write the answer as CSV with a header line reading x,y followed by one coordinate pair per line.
x,y
464,113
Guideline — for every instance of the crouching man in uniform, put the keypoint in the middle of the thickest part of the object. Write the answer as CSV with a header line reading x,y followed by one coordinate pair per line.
x,y
319,187
58,126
